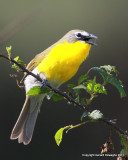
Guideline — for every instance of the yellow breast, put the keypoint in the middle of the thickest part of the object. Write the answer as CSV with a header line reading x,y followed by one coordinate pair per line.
x,y
63,61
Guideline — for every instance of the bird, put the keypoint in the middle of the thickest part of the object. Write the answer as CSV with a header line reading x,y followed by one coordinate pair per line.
x,y
56,65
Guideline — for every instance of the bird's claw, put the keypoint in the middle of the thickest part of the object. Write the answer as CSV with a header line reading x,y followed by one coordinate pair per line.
x,y
44,83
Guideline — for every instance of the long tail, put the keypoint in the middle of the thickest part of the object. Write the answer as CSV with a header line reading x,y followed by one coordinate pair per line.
x,y
23,129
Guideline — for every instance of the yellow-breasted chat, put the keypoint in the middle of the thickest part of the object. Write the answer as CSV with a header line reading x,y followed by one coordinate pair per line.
x,y
57,64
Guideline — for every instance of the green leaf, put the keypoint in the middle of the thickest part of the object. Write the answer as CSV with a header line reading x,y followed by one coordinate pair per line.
x,y
89,88
123,140
59,135
8,49
110,69
57,97
70,85
93,83
16,58
36,90
124,151
83,101
19,61
96,114
118,84
82,78
77,99
115,70
98,88
81,86
77,91
93,87
101,71
108,78
90,85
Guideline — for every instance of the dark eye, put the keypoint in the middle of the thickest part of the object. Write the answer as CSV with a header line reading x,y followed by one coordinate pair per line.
x,y
78,35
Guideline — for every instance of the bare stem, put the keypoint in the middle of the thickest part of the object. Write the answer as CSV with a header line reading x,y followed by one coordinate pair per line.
x,y
68,98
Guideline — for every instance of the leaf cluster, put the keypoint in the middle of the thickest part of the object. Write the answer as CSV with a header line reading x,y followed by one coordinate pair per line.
x,y
94,89
17,59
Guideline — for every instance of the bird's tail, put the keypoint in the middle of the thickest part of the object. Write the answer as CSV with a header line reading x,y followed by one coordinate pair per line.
x,y
23,129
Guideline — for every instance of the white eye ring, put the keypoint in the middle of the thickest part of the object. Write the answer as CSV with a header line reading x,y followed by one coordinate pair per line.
x,y
78,35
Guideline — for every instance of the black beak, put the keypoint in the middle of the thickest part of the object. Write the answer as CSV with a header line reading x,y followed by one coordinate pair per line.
x,y
90,37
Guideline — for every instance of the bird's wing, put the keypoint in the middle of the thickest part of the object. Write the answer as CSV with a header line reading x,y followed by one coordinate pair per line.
x,y
34,63
37,60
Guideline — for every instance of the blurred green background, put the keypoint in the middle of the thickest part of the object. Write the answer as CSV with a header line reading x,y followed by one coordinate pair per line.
x,y
30,27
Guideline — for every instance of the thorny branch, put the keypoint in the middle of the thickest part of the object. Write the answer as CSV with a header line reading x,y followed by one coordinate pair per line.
x,y
68,98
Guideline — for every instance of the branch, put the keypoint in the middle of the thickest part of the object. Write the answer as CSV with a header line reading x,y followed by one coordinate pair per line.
x,y
68,98
114,126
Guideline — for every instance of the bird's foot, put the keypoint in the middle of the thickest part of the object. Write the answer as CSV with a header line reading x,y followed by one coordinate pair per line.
x,y
44,83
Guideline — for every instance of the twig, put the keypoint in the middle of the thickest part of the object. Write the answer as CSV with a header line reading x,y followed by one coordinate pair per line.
x,y
114,126
17,81
84,107
51,87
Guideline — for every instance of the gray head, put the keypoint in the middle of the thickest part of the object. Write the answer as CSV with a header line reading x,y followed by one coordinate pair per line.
x,y
79,35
